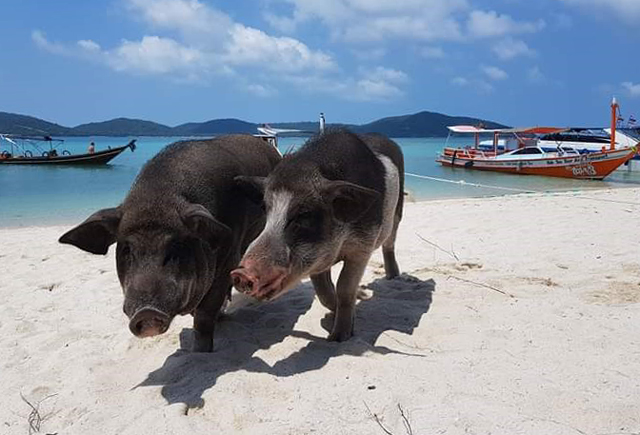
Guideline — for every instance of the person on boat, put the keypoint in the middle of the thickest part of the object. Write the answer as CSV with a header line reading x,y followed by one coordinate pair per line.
x,y
92,148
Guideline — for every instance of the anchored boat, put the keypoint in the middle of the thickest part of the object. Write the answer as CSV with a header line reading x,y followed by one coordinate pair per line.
x,y
528,151
34,150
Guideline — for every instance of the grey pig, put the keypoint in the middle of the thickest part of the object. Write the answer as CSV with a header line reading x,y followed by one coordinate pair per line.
x,y
180,231
337,199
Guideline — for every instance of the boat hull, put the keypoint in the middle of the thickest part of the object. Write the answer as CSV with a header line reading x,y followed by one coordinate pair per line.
x,y
97,158
593,166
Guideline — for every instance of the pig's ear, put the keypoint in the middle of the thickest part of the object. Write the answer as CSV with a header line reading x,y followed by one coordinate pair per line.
x,y
202,223
251,187
349,201
97,233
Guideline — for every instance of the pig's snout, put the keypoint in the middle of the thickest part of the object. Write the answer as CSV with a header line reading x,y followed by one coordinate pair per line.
x,y
263,284
148,322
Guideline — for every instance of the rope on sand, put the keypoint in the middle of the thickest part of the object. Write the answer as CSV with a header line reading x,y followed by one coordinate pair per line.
x,y
464,183
512,189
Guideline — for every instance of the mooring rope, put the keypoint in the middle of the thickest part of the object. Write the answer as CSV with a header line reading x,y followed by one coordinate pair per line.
x,y
512,189
465,183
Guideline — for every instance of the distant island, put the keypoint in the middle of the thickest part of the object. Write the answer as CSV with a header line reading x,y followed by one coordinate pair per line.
x,y
422,124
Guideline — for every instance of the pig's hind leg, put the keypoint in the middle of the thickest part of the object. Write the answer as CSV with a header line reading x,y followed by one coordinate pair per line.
x,y
323,285
391,268
346,293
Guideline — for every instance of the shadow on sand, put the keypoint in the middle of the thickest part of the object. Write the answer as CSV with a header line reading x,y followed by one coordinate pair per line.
x,y
396,305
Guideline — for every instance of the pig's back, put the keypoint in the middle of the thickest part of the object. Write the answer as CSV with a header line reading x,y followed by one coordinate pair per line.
x,y
383,146
336,155
200,167
202,172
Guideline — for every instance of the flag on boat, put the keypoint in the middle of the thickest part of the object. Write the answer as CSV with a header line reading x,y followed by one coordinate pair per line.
x,y
620,121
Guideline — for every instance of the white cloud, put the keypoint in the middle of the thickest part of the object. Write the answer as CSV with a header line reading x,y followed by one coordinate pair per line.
x,y
402,27
627,10
88,45
40,39
562,21
254,47
483,24
432,52
534,75
208,42
381,73
509,48
260,90
478,85
369,54
633,89
376,85
375,20
196,22
379,21
460,81
380,84
494,73
154,55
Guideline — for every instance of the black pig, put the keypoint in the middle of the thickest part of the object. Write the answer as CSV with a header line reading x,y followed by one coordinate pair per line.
x,y
180,231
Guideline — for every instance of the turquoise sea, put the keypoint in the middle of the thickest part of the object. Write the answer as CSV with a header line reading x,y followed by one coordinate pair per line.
x,y
36,195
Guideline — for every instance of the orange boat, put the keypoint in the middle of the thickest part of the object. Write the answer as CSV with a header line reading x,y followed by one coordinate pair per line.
x,y
529,158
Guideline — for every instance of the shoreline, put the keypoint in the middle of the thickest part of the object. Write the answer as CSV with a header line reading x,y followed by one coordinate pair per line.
x,y
514,314
64,222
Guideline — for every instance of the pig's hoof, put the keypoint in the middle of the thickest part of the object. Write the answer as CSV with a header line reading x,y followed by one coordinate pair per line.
x,y
340,336
202,343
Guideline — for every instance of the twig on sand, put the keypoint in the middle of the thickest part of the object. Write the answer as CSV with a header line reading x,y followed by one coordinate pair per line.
x,y
450,253
35,419
481,285
405,421
377,419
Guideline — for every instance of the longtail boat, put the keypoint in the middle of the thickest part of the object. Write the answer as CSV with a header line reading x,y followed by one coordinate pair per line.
x,y
24,150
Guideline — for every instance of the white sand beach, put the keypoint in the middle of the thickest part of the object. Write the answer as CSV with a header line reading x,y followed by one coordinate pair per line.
x,y
558,353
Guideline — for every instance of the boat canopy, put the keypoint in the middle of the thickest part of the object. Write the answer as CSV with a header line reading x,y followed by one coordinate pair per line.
x,y
518,130
470,129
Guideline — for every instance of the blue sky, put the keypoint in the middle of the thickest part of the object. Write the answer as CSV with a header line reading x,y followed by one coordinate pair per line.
x,y
521,62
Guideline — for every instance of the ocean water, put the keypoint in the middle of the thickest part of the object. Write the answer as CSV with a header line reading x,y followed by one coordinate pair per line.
x,y
37,195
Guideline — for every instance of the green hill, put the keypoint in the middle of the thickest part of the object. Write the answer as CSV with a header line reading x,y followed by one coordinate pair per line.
x,y
214,127
422,124
122,127
28,125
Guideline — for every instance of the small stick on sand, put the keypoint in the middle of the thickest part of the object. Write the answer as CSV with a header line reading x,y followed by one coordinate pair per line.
x,y
482,285
35,419
450,253
377,419
405,421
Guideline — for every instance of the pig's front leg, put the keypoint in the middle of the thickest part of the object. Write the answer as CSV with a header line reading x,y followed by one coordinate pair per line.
x,y
205,316
348,282
323,285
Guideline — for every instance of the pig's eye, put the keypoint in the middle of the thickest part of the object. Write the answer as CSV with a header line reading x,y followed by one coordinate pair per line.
x,y
307,220
176,253
125,251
